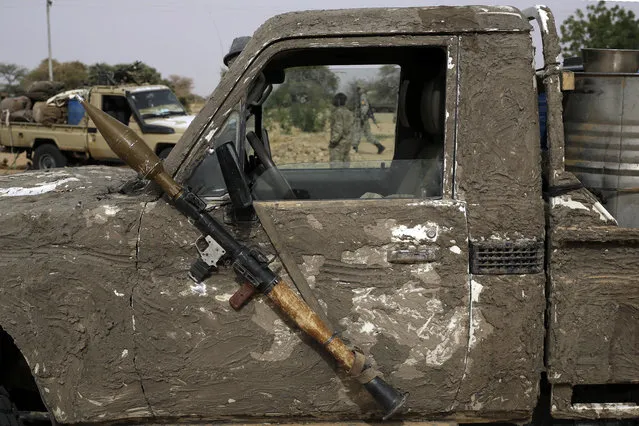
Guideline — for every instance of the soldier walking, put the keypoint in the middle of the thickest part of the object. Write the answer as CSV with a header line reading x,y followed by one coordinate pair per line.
x,y
362,126
340,143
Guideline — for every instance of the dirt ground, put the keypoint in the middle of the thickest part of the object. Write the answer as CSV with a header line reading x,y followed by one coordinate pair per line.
x,y
12,163
301,147
294,148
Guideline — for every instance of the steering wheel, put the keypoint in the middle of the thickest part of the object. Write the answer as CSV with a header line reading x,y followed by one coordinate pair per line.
x,y
272,175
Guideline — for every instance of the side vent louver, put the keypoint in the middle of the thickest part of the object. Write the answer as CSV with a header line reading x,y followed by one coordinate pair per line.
x,y
506,257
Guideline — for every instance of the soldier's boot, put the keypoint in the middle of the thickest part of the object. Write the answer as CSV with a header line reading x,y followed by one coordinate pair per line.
x,y
380,148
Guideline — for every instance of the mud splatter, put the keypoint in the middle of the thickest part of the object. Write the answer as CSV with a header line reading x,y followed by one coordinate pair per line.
x,y
284,339
414,317
367,256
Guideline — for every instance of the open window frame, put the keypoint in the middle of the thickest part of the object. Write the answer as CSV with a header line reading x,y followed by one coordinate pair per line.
x,y
238,95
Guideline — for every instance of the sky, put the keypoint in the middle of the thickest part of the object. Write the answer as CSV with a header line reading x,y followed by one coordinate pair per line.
x,y
185,37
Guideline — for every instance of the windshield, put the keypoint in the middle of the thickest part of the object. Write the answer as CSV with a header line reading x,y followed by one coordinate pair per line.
x,y
157,103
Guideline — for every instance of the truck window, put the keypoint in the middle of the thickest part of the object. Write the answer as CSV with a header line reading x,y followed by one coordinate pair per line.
x,y
342,123
117,107
156,103
320,111
346,127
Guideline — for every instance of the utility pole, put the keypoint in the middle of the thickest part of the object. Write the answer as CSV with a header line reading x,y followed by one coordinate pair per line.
x,y
49,3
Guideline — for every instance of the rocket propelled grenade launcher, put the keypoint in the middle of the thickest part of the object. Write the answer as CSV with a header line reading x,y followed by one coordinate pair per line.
x,y
251,266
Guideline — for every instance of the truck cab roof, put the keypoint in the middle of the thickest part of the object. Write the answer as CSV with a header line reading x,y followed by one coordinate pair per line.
x,y
413,20
388,21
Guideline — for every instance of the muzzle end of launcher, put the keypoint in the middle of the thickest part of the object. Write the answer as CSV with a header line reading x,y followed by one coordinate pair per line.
x,y
389,398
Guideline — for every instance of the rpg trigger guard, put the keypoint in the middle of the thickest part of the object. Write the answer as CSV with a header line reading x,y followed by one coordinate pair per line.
x,y
210,253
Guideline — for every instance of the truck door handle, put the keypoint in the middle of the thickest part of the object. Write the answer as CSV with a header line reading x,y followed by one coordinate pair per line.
x,y
413,254
92,130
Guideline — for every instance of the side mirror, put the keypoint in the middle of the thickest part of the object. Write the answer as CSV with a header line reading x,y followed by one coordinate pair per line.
x,y
236,184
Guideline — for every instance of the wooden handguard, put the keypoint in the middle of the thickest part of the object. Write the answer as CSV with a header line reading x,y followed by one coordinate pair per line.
x,y
310,323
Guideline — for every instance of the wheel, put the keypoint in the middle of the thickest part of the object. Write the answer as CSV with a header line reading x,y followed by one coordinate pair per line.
x,y
48,156
165,152
8,411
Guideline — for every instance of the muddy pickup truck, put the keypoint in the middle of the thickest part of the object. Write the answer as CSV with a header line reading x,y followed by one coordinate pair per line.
x,y
477,273
151,111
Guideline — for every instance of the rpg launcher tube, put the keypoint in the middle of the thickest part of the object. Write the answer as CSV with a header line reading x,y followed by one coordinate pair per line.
x,y
137,154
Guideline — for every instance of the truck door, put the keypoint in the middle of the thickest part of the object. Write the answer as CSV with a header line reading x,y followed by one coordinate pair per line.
x,y
117,107
373,227
378,238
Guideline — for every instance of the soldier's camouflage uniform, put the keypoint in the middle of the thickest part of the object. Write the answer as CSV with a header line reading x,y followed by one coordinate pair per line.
x,y
341,140
362,127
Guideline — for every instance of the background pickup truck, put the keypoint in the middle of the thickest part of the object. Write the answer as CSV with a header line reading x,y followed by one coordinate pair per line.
x,y
151,111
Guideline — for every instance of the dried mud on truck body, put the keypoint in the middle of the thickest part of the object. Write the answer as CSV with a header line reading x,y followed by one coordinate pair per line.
x,y
463,268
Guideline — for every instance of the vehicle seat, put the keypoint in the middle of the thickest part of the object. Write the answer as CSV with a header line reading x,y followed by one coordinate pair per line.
x,y
419,171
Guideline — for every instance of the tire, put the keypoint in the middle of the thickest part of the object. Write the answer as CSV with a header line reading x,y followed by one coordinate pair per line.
x,y
165,153
8,411
48,156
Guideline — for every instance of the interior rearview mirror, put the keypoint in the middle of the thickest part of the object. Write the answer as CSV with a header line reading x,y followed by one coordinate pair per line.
x,y
236,184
